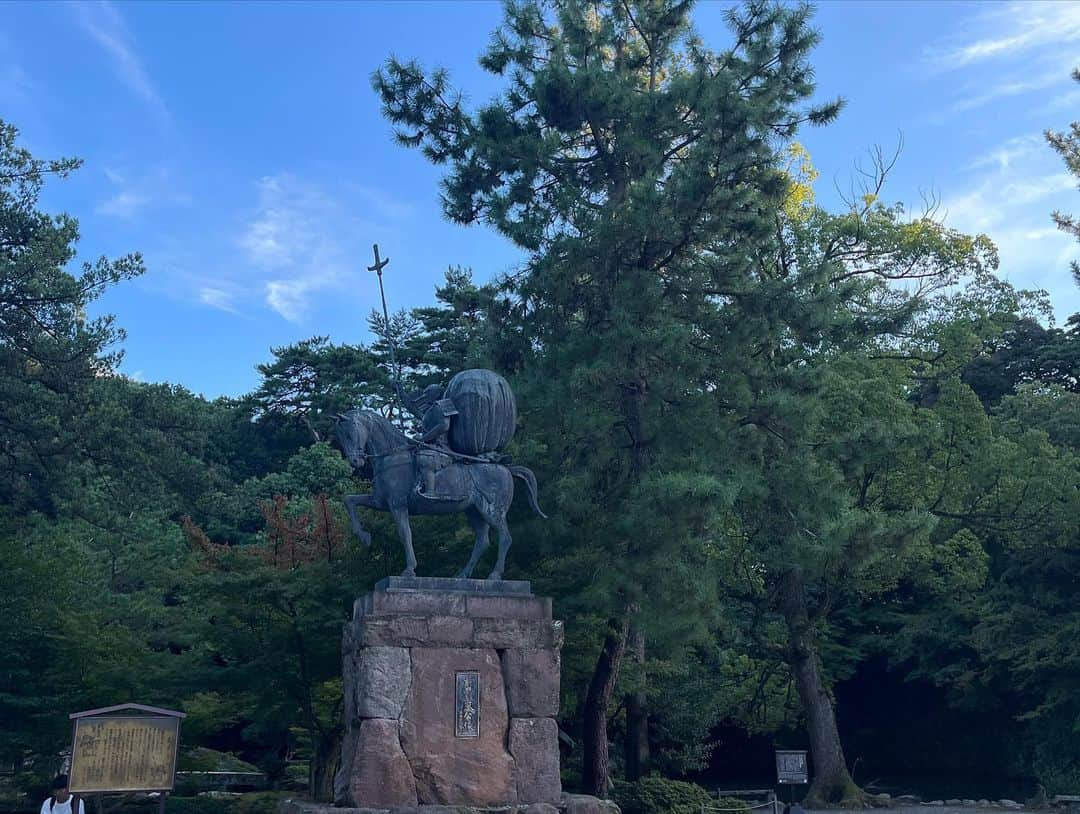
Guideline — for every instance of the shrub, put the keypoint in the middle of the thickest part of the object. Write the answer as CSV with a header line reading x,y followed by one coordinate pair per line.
x,y
735,805
198,805
260,802
256,802
657,795
201,759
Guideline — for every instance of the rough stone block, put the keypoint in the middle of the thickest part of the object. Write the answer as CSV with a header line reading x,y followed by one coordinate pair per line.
x,y
534,745
451,631
508,607
513,633
584,804
391,631
348,637
415,631
379,682
541,808
455,585
457,771
409,603
374,770
532,682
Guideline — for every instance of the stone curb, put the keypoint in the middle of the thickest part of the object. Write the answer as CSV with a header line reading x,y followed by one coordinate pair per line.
x,y
568,804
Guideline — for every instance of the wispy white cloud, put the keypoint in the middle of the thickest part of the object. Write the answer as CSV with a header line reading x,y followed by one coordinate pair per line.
x,y
1069,100
1011,57
985,91
16,86
23,97
1009,30
303,240
123,204
1010,194
290,298
105,25
218,298
1007,153
299,247
132,194
991,202
384,205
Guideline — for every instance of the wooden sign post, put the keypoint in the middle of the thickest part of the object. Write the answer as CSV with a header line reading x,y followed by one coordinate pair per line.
x,y
791,768
124,749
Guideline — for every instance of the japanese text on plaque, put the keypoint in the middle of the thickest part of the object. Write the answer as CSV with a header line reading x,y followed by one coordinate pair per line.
x,y
467,705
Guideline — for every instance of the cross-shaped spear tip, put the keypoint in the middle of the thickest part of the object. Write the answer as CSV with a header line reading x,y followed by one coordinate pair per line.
x,y
379,264
377,268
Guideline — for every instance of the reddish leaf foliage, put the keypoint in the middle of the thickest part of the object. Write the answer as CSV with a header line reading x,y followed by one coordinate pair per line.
x,y
291,540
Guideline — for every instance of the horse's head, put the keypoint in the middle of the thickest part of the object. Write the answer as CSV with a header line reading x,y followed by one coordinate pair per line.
x,y
353,433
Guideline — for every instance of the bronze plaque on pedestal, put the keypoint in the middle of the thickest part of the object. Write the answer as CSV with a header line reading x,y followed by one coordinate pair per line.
x,y
467,705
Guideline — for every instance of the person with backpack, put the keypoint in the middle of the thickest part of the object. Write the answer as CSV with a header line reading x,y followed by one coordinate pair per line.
x,y
62,801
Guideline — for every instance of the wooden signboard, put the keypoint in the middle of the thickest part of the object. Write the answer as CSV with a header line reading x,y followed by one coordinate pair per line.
x,y
127,748
791,766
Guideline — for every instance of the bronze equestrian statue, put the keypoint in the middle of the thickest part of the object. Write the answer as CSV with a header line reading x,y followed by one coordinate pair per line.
x,y
455,465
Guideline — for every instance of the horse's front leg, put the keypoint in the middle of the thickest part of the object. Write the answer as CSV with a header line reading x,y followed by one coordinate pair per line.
x,y
352,502
404,530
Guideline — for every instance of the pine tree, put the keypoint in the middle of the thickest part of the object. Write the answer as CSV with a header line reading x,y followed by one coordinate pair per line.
x,y
49,349
1067,145
639,170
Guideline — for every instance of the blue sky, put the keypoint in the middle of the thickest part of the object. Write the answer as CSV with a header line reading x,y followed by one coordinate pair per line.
x,y
240,148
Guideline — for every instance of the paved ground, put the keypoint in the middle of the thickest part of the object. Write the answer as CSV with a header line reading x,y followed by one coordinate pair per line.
x,y
924,809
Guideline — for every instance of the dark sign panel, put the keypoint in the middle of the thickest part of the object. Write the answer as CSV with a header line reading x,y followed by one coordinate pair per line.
x,y
791,766
467,705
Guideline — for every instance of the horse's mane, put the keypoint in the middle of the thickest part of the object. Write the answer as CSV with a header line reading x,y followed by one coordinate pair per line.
x,y
382,433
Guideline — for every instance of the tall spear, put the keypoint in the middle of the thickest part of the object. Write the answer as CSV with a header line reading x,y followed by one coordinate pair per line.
x,y
398,391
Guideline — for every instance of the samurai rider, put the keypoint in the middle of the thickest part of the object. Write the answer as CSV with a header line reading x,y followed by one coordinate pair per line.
x,y
433,453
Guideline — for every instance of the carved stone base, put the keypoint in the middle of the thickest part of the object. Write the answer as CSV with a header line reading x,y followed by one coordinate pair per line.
x,y
451,692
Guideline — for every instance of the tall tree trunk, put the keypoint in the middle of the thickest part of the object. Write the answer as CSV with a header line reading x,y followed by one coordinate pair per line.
x,y
637,717
595,740
325,760
636,745
831,781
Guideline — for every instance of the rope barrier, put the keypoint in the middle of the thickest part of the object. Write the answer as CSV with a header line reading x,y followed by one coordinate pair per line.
x,y
705,807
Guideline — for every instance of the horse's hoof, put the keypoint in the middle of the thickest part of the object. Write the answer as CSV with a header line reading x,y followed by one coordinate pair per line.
x,y
408,572
495,575
462,575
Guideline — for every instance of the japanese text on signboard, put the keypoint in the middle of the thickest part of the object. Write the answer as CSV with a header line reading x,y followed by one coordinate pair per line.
x,y
791,766
124,754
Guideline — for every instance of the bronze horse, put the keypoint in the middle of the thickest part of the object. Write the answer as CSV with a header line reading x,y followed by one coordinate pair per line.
x,y
486,489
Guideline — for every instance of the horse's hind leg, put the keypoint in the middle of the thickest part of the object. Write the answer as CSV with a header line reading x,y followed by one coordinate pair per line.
x,y
404,530
480,527
504,545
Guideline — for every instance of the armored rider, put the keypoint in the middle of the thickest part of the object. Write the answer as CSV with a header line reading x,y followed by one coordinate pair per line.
x,y
434,413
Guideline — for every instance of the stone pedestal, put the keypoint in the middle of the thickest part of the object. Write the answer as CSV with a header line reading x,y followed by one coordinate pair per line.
x,y
451,691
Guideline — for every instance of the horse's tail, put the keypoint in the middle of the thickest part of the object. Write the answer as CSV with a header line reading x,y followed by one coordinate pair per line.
x,y
526,475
